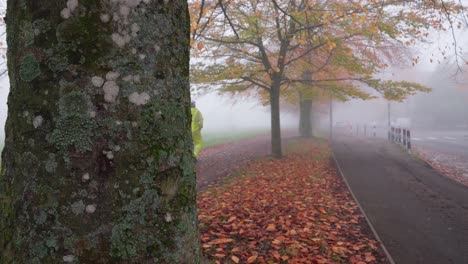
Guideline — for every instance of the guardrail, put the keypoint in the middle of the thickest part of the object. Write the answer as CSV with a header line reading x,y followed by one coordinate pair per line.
x,y
400,136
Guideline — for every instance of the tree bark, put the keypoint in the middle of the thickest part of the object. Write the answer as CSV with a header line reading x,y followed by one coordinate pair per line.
x,y
97,165
276,147
305,107
305,119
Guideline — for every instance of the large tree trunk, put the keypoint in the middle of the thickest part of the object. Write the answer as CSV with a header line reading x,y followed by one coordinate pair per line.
x,y
276,148
97,165
305,119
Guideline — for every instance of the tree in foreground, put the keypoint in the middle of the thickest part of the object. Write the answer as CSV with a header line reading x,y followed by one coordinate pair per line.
x,y
97,165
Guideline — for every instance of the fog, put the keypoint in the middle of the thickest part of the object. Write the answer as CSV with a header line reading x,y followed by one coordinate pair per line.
x,y
225,114
445,107
4,89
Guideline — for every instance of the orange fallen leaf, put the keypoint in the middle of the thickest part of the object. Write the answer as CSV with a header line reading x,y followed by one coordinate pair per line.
x,y
276,242
369,257
251,259
220,241
219,255
235,259
271,227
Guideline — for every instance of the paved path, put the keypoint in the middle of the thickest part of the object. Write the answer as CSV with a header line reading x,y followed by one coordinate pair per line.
x,y
421,216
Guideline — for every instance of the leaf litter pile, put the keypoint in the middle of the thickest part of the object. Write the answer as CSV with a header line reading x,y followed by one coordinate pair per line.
x,y
294,210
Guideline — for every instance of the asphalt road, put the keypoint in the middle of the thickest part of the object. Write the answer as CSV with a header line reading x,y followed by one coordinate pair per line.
x,y
449,142
420,215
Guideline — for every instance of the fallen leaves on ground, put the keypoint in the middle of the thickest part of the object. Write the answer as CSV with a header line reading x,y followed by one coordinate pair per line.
x,y
448,164
294,210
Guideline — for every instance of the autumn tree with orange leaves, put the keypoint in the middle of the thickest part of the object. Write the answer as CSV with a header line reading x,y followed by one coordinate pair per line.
x,y
257,44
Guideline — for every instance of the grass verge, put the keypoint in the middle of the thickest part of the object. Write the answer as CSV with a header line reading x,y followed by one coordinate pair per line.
x,y
294,210
213,139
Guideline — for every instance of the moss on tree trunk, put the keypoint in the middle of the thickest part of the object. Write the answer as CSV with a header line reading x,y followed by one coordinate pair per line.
x,y
97,165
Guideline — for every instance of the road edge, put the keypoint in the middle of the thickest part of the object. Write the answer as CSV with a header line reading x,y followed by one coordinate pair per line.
x,y
382,245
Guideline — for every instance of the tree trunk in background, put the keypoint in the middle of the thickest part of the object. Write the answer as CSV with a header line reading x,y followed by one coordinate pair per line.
x,y
305,119
276,148
97,165
305,106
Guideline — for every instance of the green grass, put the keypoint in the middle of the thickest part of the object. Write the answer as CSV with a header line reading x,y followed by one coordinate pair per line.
x,y
213,139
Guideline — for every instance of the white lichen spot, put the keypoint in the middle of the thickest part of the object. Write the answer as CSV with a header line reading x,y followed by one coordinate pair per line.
x,y
135,28
147,1
166,1
105,18
115,17
136,78
119,123
78,207
118,39
68,258
128,78
134,124
112,76
97,81
65,13
37,122
127,38
111,91
168,217
91,208
134,51
110,155
124,10
25,114
157,48
142,56
85,177
92,114
117,148
72,5
139,99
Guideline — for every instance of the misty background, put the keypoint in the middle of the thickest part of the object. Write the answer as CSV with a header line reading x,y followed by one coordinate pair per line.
x,y
445,107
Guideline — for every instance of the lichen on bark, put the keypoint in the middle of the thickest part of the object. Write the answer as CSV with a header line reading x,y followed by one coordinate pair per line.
x,y
114,181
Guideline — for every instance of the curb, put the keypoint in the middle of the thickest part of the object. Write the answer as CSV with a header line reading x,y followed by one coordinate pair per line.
x,y
382,246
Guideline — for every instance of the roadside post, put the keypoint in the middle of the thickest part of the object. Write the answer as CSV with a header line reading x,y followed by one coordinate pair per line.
x,y
408,146
404,136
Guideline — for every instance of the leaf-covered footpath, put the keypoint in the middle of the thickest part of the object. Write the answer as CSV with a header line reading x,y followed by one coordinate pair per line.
x,y
294,210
